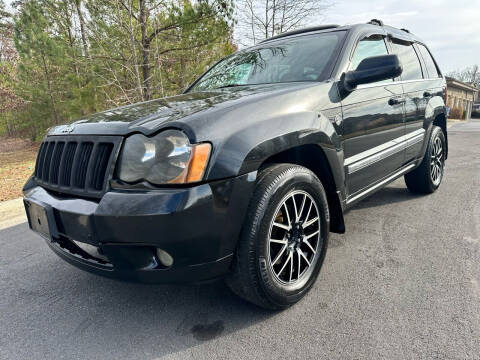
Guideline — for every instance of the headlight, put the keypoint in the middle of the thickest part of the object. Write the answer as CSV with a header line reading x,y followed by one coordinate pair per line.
x,y
167,158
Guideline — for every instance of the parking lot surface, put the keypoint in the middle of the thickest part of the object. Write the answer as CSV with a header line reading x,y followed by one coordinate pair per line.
x,y
402,283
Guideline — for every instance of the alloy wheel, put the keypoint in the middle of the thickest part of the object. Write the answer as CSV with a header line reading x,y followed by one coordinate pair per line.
x,y
294,237
436,161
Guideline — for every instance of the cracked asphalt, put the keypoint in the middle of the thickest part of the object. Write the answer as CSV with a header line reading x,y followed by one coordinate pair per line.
x,y
402,283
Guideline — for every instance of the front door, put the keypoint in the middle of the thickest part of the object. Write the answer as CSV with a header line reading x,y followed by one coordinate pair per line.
x,y
373,124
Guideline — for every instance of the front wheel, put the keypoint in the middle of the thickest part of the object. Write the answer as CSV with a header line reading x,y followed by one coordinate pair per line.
x,y
284,238
426,178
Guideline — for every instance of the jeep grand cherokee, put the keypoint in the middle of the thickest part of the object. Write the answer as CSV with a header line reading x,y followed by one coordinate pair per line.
x,y
244,175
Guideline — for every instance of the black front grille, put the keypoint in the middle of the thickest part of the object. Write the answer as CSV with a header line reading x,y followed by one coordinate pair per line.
x,y
79,165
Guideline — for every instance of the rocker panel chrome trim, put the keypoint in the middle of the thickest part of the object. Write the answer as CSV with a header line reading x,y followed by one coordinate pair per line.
x,y
371,156
380,184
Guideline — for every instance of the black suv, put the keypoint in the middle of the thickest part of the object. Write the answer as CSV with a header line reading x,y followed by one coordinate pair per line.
x,y
244,175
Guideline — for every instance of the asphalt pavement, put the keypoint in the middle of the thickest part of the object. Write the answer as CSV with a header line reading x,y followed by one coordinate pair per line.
x,y
402,283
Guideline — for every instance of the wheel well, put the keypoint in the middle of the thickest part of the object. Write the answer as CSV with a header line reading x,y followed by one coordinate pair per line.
x,y
313,158
441,121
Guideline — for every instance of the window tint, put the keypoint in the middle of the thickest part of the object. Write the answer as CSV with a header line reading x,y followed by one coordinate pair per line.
x,y
303,58
409,60
429,63
367,47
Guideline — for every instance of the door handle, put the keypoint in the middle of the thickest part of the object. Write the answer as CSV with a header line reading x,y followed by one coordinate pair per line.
x,y
426,94
396,101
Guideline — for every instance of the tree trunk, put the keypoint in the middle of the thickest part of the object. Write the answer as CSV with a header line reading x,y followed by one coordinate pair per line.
x,y
145,51
266,20
71,43
182,71
131,29
274,10
78,5
49,87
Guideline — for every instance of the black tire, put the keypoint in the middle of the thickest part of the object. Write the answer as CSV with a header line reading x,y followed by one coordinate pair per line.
x,y
253,275
426,178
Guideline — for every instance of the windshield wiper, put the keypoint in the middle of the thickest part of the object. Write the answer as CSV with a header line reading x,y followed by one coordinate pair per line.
x,y
230,85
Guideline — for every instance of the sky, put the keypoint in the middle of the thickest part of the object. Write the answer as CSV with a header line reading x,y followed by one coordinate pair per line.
x,y
450,28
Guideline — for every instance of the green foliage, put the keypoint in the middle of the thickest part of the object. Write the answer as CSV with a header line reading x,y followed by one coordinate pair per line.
x,y
81,56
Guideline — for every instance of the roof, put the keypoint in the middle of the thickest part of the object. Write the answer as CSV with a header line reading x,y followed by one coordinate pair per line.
x,y
460,84
301,31
401,34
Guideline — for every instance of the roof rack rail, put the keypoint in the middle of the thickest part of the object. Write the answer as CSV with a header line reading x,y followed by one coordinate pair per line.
x,y
406,30
301,31
376,22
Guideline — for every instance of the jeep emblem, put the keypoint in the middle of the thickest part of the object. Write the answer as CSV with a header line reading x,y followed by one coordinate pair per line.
x,y
68,129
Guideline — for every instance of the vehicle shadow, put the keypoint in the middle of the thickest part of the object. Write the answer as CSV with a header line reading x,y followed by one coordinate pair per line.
x,y
391,194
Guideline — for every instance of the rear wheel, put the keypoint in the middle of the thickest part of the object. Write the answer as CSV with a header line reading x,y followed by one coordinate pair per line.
x,y
426,178
284,238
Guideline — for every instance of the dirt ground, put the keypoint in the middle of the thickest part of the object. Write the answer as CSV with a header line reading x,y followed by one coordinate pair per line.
x,y
17,162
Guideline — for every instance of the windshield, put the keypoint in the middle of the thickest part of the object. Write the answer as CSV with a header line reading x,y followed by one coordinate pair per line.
x,y
303,58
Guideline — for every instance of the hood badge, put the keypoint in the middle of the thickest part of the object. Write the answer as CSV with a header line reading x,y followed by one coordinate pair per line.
x,y
67,129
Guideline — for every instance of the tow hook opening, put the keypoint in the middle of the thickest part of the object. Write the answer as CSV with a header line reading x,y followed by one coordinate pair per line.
x,y
86,251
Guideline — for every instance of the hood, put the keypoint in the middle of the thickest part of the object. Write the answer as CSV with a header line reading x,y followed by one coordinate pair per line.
x,y
184,111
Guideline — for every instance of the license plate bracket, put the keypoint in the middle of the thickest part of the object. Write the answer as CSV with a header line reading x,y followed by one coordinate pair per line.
x,y
41,219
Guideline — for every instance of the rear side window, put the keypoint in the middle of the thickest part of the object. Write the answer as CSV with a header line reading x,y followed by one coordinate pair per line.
x,y
429,63
367,47
412,69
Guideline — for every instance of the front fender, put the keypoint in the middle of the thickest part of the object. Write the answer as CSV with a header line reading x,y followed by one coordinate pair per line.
x,y
246,150
318,132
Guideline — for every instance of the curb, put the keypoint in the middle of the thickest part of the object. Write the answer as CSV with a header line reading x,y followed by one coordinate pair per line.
x,y
12,213
451,122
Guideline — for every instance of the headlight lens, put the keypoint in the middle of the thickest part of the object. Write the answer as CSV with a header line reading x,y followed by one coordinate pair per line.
x,y
167,158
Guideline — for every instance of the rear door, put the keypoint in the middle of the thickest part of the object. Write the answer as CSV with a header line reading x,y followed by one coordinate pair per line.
x,y
416,95
372,123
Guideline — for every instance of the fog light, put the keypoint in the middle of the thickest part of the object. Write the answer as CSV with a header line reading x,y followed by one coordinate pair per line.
x,y
164,257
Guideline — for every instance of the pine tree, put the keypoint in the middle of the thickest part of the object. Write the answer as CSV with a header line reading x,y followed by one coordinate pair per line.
x,y
81,56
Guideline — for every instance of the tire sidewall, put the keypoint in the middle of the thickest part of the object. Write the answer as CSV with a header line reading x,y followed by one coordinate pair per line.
x,y
304,180
436,133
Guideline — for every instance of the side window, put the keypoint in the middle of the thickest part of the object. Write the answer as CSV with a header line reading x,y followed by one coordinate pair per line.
x,y
367,47
412,69
429,63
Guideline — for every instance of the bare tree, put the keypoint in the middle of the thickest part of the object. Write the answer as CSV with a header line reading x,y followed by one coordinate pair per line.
x,y
469,75
261,19
153,29
7,49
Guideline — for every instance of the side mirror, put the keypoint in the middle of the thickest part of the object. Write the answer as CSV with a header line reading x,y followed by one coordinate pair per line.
x,y
372,69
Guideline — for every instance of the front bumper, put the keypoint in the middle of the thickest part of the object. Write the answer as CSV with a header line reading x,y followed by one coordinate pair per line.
x,y
198,226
